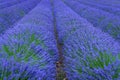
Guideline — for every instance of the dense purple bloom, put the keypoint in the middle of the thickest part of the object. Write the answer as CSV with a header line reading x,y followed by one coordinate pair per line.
x,y
108,22
56,40
10,3
110,3
87,48
27,45
31,41
111,9
10,69
10,15
89,53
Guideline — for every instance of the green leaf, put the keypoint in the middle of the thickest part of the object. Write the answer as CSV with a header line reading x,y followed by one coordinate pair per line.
x,y
32,38
6,49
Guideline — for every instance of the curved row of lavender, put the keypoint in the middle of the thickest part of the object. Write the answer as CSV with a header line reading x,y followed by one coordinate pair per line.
x,y
114,10
112,3
28,50
109,23
89,53
67,21
10,3
10,15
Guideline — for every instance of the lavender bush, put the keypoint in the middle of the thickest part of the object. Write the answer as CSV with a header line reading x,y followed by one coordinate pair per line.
x,y
11,70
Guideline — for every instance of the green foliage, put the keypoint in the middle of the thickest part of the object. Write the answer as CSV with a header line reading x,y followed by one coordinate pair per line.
x,y
104,59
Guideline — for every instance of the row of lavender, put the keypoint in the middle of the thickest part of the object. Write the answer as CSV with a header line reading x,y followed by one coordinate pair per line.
x,y
28,50
106,21
89,53
10,3
111,9
110,3
10,15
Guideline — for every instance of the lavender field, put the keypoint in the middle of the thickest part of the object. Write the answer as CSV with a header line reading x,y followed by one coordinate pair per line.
x,y
59,39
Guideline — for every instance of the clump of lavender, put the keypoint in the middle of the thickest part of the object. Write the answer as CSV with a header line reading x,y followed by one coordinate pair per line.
x,y
12,70
21,43
94,55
